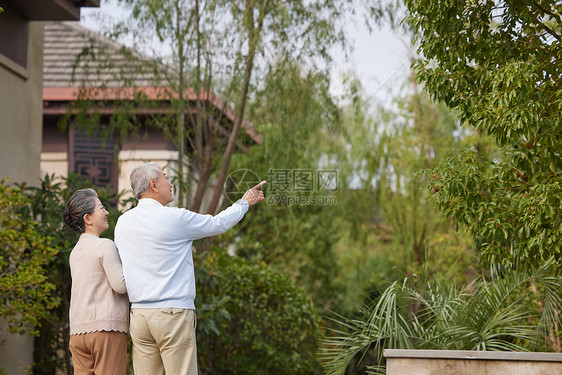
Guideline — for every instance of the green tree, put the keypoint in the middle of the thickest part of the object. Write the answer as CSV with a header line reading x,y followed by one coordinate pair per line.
x,y
296,117
221,49
391,227
312,25
498,66
25,288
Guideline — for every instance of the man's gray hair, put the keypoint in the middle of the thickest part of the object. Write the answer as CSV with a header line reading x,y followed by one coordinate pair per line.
x,y
141,176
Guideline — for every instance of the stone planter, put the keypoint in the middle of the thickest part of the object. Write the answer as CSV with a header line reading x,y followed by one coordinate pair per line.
x,y
459,362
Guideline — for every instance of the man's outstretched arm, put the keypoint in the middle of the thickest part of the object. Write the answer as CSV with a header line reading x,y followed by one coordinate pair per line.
x,y
200,226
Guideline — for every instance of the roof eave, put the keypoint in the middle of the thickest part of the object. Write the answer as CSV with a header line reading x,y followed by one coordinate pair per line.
x,y
69,94
51,10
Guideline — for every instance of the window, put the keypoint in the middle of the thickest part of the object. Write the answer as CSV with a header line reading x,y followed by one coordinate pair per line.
x,y
14,31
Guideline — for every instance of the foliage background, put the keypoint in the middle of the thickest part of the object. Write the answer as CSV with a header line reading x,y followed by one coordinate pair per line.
x,y
444,197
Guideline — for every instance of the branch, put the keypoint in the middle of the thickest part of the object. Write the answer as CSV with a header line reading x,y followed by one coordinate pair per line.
x,y
547,11
548,29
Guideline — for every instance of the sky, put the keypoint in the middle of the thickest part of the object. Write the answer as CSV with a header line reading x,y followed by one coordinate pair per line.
x,y
380,59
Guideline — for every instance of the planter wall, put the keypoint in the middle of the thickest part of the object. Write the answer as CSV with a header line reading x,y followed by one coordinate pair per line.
x,y
453,362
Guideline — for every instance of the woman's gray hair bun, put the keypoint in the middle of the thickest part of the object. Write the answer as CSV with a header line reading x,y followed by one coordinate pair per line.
x,y
81,203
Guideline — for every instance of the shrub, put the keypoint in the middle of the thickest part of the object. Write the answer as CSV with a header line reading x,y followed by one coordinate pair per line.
x,y
252,320
25,291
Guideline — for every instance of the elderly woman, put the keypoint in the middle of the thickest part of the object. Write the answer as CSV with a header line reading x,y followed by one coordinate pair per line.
x,y
98,304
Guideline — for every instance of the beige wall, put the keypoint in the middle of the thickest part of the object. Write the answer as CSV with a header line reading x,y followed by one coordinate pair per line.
x,y
168,161
16,352
410,366
435,362
21,106
21,113
57,163
54,163
130,159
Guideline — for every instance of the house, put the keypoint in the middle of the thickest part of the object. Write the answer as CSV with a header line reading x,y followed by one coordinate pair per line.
x,y
21,64
21,81
112,75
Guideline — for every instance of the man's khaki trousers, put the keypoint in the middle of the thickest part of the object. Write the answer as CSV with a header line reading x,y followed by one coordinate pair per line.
x,y
99,352
164,341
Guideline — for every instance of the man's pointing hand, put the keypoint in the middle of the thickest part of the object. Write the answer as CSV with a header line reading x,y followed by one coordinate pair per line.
x,y
255,194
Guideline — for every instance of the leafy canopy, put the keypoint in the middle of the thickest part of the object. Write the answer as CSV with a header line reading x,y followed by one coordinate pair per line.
x,y
498,65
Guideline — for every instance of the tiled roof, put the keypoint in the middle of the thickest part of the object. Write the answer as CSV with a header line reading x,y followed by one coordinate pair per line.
x,y
102,62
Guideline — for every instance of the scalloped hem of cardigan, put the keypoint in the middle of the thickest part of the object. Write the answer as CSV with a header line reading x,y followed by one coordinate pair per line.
x,y
100,330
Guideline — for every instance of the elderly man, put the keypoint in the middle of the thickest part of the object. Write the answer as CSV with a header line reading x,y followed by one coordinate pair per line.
x,y
154,242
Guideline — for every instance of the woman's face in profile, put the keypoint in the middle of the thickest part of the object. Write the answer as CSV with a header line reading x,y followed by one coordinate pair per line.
x,y
99,218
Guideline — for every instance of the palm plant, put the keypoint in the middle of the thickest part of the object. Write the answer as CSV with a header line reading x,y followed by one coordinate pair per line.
x,y
510,311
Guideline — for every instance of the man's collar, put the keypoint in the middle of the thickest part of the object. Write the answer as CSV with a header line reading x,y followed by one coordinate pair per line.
x,y
149,201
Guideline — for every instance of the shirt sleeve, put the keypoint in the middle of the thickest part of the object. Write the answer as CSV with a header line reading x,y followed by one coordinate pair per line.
x,y
111,264
198,226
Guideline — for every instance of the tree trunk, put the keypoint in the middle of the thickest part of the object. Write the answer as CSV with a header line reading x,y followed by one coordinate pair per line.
x,y
199,158
204,175
180,109
231,146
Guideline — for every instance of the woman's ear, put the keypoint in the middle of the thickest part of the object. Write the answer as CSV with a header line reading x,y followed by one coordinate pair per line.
x,y
87,219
